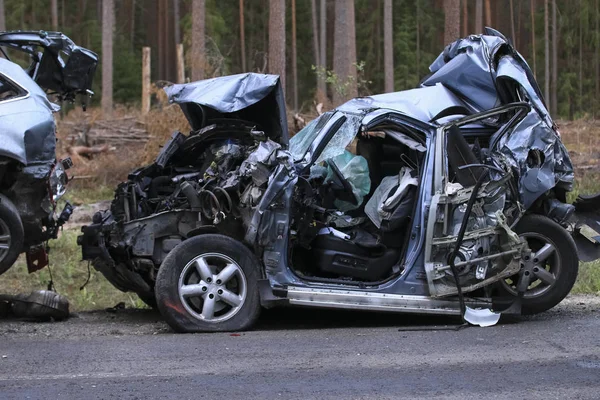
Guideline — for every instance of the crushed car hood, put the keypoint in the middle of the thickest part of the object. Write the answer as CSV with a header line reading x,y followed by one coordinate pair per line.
x,y
249,96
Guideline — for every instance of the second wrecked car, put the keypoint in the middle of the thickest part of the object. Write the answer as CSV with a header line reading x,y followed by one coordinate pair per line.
x,y
32,179
446,199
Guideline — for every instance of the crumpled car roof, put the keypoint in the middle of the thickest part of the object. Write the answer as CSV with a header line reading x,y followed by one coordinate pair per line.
x,y
423,103
464,79
479,73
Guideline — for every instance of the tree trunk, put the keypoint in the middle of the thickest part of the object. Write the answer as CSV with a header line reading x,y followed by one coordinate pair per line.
x,y
344,52
451,21
277,39
294,58
465,19
242,37
2,16
180,64
546,56
198,64
597,55
519,38
176,22
532,4
488,13
146,80
160,32
580,100
388,46
512,22
54,14
323,46
554,100
478,16
418,50
108,22
314,17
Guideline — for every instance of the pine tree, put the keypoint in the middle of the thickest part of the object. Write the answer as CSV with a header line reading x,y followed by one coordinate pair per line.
x,y
198,39
344,51
108,22
388,46
277,39
452,21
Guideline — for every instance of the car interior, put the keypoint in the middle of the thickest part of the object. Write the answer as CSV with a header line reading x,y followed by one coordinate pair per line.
x,y
354,228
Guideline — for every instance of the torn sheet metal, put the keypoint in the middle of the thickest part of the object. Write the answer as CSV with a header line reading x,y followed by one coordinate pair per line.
x,y
539,156
250,96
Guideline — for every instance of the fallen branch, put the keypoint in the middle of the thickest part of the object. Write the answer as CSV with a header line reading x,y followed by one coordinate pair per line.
x,y
87,151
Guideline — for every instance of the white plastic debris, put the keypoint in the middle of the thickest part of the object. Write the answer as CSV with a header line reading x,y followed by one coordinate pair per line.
x,y
481,316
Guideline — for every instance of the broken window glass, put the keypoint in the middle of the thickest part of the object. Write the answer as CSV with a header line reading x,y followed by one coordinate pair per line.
x,y
302,140
342,138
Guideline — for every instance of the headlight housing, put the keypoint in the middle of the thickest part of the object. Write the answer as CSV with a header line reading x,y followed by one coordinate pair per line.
x,y
57,182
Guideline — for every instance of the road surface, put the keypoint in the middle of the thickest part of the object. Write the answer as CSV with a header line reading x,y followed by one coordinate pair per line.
x,y
305,354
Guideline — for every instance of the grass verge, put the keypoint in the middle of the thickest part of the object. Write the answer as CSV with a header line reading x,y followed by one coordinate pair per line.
x,y
69,274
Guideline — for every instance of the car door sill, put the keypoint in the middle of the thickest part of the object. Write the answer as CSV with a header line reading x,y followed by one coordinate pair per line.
x,y
360,300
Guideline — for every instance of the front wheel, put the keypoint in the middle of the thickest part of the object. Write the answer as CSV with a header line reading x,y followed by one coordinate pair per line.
x,y
209,283
555,264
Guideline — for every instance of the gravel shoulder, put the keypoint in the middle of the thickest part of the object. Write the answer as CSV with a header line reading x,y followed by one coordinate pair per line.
x,y
149,322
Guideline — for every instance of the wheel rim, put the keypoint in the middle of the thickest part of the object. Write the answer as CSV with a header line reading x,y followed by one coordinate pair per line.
x,y
546,267
212,287
5,240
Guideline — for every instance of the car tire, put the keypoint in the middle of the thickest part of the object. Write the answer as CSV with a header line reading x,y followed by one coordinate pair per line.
x,y
560,266
11,234
192,298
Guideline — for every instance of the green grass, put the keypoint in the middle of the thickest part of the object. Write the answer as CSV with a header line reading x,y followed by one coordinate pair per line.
x,y
78,195
588,280
69,274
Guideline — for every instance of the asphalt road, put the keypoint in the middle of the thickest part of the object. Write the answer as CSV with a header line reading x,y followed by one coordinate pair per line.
x,y
305,354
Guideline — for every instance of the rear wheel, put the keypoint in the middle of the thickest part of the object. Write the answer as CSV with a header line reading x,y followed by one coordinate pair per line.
x,y
207,284
555,264
11,234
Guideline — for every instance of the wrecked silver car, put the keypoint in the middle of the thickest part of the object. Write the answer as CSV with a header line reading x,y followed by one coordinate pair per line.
x,y
32,180
445,199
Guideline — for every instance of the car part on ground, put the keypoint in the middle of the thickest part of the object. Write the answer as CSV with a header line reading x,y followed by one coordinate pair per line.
x,y
32,180
411,201
40,305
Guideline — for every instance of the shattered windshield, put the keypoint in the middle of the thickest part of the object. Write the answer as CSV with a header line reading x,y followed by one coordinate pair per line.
x,y
342,138
302,140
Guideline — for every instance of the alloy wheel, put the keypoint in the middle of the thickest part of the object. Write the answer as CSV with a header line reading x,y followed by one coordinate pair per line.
x,y
5,239
212,287
546,269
